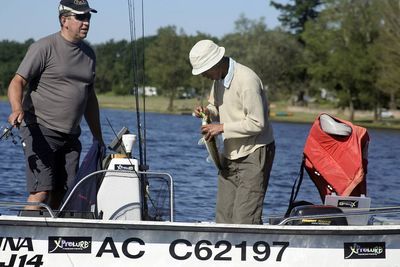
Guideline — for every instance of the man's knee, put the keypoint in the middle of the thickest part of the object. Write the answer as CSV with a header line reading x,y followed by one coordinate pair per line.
x,y
38,197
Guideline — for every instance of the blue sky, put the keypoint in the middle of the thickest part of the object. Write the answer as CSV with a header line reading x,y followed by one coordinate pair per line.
x,y
24,19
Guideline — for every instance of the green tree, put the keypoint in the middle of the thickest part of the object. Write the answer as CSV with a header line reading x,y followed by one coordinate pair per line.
x,y
167,63
387,49
272,54
114,67
294,16
11,55
339,54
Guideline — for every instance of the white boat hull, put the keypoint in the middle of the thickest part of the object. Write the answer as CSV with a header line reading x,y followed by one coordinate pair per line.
x,y
32,241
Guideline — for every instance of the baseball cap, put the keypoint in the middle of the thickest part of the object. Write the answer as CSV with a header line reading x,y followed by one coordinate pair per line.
x,y
75,6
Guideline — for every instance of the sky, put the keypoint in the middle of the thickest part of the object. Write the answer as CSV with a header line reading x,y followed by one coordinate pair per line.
x,y
24,19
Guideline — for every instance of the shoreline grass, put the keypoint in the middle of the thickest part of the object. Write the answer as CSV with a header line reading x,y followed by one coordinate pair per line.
x,y
279,111
158,104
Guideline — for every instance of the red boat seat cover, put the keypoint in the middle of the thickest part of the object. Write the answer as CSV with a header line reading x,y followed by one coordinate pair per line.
x,y
337,163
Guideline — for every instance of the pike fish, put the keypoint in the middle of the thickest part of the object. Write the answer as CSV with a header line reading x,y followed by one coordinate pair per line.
x,y
211,145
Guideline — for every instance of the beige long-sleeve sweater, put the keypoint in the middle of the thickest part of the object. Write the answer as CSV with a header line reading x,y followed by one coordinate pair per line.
x,y
243,109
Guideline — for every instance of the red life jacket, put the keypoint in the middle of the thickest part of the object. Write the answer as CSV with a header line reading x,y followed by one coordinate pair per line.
x,y
337,163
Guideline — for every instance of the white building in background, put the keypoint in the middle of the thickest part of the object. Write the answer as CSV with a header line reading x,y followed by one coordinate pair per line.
x,y
148,91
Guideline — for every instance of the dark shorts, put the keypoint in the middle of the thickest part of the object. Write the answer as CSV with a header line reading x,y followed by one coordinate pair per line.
x,y
51,157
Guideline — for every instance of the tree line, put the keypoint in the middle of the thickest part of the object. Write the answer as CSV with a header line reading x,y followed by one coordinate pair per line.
x,y
348,49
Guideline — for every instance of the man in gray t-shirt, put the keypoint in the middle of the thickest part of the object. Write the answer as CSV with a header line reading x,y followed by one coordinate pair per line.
x,y
58,71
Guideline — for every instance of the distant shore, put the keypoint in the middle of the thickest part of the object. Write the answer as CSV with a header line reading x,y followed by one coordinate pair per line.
x,y
278,111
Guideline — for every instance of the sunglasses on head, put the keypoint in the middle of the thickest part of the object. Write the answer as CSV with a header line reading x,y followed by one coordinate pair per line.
x,y
81,17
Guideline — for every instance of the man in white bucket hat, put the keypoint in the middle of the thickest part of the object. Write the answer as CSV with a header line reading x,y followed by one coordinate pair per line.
x,y
238,103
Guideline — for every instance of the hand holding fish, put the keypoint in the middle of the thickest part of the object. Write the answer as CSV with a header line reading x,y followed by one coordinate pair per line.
x,y
207,129
210,130
201,112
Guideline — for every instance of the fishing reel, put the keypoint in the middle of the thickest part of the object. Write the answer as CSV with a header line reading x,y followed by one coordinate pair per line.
x,y
6,133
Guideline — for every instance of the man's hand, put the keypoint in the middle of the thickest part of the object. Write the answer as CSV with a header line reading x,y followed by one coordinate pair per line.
x,y
16,117
15,94
200,112
210,130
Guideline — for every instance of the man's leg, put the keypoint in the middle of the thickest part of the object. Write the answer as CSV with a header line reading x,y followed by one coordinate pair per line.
x,y
67,167
225,197
227,186
254,177
39,161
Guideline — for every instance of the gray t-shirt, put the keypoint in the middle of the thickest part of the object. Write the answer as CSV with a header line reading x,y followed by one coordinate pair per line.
x,y
60,76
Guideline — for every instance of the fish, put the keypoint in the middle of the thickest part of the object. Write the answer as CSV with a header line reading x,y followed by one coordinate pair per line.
x,y
211,145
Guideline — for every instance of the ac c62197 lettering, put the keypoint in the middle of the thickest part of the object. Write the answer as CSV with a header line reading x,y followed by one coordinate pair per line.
x,y
203,250
223,250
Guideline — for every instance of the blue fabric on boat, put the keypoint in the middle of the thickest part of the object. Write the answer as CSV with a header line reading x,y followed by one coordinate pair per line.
x,y
85,197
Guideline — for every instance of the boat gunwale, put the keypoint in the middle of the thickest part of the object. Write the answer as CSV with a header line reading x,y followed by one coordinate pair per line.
x,y
201,227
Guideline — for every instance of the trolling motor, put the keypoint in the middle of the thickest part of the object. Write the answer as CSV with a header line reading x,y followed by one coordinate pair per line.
x,y
6,133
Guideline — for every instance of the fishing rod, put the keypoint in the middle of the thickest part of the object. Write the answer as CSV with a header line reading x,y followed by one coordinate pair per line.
x,y
141,128
144,95
135,67
6,132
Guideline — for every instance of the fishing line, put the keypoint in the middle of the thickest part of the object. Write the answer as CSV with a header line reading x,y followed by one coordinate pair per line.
x,y
122,145
144,94
141,131
132,28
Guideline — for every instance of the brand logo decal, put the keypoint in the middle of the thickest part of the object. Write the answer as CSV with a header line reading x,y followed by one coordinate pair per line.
x,y
345,203
69,244
80,2
124,167
365,250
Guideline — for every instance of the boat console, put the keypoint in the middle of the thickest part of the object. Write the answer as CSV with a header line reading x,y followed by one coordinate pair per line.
x,y
308,211
119,196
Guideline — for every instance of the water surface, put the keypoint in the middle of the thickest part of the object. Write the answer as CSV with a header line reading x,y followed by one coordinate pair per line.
x,y
172,147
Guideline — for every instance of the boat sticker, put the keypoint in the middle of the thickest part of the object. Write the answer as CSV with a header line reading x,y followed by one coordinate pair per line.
x,y
347,203
124,167
70,244
365,250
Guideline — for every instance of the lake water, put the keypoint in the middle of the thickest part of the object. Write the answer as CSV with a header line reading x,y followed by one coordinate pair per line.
x,y
172,147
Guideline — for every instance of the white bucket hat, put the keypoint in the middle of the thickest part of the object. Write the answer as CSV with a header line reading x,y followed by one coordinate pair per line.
x,y
204,55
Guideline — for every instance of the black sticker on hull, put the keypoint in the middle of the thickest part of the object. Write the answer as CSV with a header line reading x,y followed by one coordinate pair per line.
x,y
70,244
365,250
